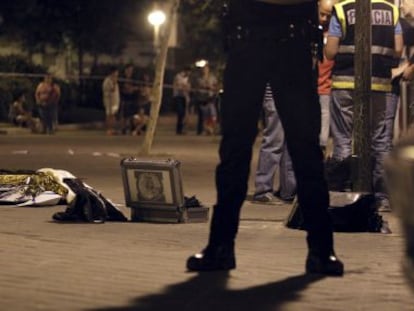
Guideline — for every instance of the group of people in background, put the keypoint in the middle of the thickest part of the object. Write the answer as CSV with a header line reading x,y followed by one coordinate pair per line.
x,y
127,102
203,97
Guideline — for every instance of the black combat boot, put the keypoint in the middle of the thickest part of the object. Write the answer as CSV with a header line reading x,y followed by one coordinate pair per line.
x,y
321,256
213,258
328,264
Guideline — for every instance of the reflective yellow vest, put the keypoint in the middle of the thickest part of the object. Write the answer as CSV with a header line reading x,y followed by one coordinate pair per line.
x,y
384,18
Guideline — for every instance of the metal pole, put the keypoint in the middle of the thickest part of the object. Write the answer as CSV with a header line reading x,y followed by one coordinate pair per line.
x,y
362,172
156,37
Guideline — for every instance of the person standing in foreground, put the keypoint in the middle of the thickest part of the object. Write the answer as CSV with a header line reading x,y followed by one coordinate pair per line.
x,y
271,41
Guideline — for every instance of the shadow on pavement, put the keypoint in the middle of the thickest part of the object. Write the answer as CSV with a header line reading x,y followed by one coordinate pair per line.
x,y
208,291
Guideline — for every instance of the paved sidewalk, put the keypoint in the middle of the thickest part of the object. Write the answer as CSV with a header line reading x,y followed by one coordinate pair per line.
x,y
141,266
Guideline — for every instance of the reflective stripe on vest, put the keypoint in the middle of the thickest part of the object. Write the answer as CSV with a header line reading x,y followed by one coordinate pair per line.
x,y
380,50
341,14
348,82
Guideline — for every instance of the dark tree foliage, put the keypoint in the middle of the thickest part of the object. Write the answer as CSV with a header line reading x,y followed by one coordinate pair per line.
x,y
201,23
105,26
95,26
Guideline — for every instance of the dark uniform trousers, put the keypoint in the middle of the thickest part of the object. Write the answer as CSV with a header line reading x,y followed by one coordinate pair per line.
x,y
281,55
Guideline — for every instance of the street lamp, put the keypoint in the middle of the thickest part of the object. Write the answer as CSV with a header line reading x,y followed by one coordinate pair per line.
x,y
156,18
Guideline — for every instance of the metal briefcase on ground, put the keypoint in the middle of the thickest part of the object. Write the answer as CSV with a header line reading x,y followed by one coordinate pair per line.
x,y
154,192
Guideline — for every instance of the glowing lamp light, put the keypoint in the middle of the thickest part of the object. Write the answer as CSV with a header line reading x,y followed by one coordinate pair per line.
x,y
201,63
156,18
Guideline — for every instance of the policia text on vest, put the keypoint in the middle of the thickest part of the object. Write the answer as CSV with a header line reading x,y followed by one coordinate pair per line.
x,y
378,17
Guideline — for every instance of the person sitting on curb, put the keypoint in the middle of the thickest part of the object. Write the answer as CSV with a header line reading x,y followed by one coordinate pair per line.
x,y
19,115
139,122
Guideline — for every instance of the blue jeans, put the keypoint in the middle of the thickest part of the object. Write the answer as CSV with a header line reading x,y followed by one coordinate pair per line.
x,y
47,117
273,155
324,100
391,110
341,129
271,149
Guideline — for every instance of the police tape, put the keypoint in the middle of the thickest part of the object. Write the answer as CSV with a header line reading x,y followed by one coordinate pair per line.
x,y
77,78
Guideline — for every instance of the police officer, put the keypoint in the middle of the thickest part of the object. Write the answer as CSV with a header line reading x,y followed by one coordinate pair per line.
x,y
270,41
387,44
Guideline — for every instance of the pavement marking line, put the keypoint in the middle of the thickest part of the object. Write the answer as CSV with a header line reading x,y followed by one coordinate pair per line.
x,y
20,151
113,154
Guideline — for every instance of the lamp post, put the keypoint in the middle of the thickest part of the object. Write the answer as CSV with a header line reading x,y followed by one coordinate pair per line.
x,y
156,18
